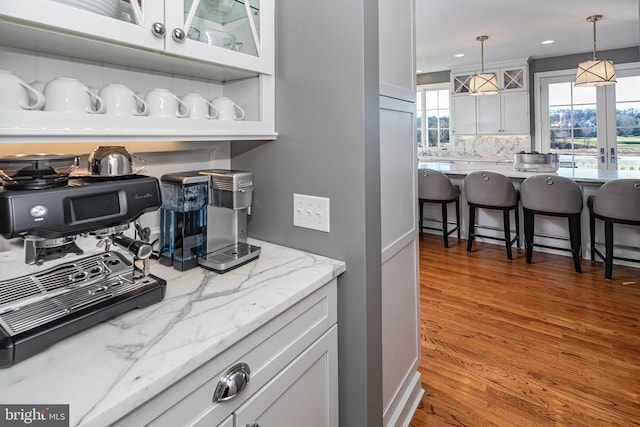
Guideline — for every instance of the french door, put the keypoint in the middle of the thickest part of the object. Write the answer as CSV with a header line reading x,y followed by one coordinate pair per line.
x,y
590,127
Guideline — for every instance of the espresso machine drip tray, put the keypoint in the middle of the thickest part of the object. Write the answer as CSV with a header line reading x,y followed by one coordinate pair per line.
x,y
37,310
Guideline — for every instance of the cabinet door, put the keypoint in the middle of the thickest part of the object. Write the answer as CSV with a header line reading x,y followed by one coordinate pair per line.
x,y
121,22
463,115
489,116
515,112
304,394
238,33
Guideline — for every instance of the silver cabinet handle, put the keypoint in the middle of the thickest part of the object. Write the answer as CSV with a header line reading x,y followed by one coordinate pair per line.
x,y
252,425
158,29
178,35
232,382
602,155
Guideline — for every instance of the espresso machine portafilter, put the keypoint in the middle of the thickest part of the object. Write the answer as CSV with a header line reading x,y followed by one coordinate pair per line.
x,y
204,219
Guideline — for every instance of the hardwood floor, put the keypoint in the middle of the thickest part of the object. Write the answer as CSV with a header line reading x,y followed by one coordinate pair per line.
x,y
510,344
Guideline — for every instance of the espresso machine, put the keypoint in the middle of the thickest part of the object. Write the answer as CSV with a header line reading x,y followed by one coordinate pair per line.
x,y
79,267
203,219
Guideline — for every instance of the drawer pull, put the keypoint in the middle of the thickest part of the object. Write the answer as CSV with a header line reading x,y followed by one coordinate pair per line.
x,y
232,382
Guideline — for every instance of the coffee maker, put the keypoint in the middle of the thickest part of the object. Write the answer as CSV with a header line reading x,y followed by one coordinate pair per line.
x,y
203,219
79,267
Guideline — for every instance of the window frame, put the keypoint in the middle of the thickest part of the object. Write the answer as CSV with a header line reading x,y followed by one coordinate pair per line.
x,y
421,95
605,106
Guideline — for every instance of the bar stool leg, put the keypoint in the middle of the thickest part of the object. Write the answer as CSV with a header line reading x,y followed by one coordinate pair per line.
x,y
592,234
608,244
517,212
472,226
528,233
507,231
445,232
574,236
458,216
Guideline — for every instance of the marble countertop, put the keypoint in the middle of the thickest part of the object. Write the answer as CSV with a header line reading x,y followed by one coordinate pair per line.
x,y
108,370
581,175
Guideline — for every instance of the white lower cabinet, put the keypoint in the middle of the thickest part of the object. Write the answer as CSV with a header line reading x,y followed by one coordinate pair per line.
x,y
301,394
293,379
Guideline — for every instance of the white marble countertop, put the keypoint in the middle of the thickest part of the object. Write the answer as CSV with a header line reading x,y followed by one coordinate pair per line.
x,y
108,370
581,175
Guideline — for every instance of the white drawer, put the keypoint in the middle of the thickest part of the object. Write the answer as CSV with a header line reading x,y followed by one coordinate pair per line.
x,y
267,351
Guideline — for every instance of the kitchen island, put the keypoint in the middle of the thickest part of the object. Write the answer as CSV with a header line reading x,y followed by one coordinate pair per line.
x,y
123,365
551,229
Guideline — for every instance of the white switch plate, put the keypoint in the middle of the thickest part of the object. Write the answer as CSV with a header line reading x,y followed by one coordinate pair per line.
x,y
311,212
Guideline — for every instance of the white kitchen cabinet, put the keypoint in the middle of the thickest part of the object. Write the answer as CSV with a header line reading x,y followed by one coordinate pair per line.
x,y
463,115
503,114
301,394
234,53
241,39
293,376
506,113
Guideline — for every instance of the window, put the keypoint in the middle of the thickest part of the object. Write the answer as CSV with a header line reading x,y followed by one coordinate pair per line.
x,y
591,127
432,117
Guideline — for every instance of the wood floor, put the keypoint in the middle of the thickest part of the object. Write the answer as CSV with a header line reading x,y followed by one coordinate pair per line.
x,y
510,344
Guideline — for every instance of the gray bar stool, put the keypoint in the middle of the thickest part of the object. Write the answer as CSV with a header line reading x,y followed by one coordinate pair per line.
x,y
435,187
552,196
616,202
490,190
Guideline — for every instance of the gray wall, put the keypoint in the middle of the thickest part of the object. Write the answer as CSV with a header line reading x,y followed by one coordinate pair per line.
x,y
328,145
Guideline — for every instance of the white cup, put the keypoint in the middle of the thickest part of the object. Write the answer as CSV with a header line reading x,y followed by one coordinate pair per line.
x,y
227,109
119,100
68,95
199,107
15,93
163,103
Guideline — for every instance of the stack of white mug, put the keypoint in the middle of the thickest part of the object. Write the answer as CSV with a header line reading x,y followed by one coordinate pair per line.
x,y
68,95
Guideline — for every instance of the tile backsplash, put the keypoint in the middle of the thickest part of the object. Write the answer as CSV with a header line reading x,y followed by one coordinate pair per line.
x,y
493,147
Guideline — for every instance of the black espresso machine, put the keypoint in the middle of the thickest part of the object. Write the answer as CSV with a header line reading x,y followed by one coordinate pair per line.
x,y
67,288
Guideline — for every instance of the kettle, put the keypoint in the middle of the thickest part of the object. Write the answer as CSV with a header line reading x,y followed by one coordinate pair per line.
x,y
114,160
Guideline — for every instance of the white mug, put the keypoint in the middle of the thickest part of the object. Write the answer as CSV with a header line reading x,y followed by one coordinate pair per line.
x,y
119,100
199,107
163,103
71,96
15,93
227,109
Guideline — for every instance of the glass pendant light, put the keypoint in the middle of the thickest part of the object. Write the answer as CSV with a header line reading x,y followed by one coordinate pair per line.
x,y
483,83
595,72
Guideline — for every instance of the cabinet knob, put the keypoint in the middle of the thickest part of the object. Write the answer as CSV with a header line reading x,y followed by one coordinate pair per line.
x,y
232,382
158,29
179,35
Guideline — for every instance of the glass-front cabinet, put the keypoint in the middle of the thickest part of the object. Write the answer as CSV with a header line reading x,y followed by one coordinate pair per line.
x,y
225,46
227,32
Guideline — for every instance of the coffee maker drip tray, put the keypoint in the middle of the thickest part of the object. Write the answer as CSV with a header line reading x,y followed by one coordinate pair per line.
x,y
34,300
229,257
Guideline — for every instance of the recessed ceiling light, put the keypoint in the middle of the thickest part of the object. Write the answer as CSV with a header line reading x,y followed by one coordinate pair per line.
x,y
548,41
418,71
459,55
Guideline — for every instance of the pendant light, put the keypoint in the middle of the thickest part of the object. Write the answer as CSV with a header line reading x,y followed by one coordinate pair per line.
x,y
596,72
483,83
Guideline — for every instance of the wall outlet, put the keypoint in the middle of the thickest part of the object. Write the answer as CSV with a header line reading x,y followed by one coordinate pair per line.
x,y
311,212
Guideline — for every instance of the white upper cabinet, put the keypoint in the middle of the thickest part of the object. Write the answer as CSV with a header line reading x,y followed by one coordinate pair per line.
x,y
212,47
504,113
236,34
